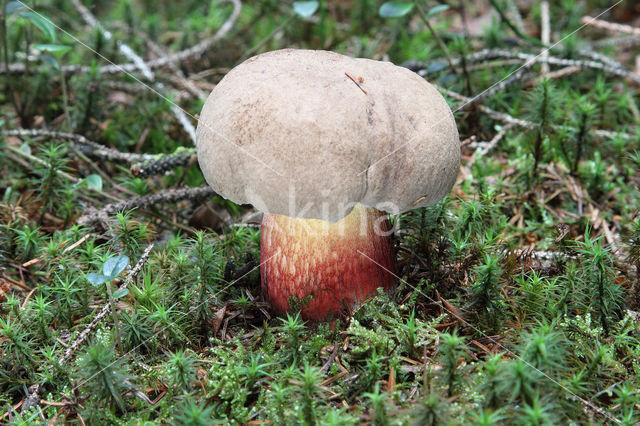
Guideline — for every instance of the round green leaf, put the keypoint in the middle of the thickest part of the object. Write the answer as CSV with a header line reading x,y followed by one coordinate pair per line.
x,y
94,181
96,279
25,148
305,9
395,9
113,266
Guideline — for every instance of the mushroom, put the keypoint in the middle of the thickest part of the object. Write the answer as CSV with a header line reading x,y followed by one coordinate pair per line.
x,y
324,145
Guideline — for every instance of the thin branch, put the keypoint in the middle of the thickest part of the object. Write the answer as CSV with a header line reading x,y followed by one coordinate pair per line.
x,y
163,163
86,146
545,35
610,26
169,196
600,57
485,55
488,146
179,76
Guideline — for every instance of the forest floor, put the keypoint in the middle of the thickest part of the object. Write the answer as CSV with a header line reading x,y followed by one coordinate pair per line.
x,y
130,291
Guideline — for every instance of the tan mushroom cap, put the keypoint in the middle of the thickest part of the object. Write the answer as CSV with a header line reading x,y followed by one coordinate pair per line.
x,y
291,133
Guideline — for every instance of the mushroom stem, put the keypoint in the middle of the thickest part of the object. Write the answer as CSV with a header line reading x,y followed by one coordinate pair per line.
x,y
338,264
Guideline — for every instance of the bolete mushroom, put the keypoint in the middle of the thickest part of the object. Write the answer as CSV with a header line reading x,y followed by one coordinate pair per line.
x,y
324,144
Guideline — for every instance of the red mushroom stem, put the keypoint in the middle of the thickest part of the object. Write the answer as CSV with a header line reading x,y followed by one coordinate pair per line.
x,y
338,264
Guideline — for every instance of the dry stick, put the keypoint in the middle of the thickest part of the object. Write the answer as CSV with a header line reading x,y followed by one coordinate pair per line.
x,y
491,54
545,35
494,64
489,145
144,164
192,52
465,169
163,163
123,86
169,196
553,75
610,26
65,251
597,56
86,146
82,337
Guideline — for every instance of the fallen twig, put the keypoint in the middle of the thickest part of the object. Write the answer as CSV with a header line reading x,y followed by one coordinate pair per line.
x,y
545,35
163,163
170,196
610,26
488,146
491,54
86,146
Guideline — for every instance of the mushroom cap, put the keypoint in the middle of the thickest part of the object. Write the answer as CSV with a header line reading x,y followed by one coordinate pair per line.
x,y
310,133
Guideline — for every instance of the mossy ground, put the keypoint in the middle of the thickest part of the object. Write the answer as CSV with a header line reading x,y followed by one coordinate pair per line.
x,y
518,293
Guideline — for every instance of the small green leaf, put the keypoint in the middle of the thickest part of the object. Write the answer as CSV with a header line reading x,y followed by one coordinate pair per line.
x,y
51,61
305,9
12,6
395,9
437,9
25,148
96,279
113,266
41,22
58,49
94,181
120,293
